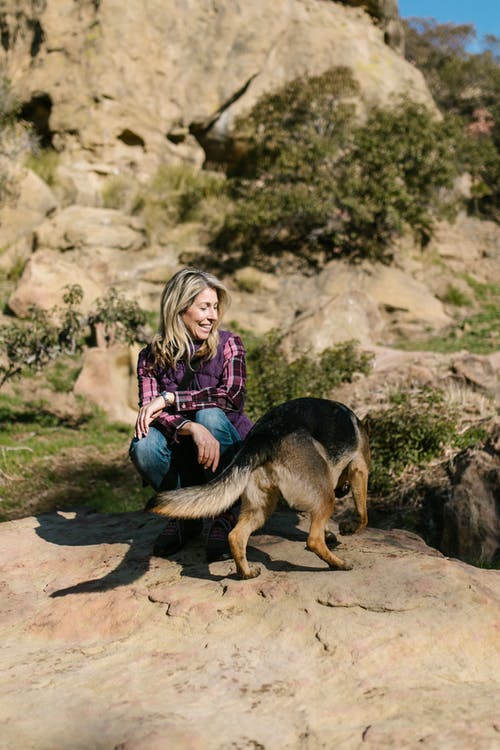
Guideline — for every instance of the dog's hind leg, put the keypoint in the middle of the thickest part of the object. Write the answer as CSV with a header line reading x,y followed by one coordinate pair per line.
x,y
257,503
358,479
316,539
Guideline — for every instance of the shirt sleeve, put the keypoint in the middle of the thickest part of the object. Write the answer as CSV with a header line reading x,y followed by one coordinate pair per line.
x,y
229,394
149,389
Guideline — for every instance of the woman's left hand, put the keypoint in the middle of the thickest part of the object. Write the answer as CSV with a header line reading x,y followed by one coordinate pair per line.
x,y
147,414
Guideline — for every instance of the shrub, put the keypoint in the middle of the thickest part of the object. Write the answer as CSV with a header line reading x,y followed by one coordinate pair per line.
x,y
28,346
119,319
44,163
413,430
272,380
468,85
315,183
122,192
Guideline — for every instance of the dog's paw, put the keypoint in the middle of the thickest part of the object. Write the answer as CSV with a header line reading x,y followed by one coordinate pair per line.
x,y
252,572
345,566
349,526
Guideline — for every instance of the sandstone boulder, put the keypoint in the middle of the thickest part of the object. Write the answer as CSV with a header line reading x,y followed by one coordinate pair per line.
x,y
25,207
106,647
45,278
86,226
471,515
350,316
108,380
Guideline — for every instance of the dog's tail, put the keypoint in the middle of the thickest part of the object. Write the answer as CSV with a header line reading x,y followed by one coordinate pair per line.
x,y
209,499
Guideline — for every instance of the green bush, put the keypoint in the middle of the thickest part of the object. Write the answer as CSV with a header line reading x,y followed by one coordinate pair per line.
x,y
315,183
119,318
44,163
272,380
413,430
28,346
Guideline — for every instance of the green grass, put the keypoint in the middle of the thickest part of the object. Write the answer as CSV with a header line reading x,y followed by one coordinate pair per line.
x,y
49,461
478,333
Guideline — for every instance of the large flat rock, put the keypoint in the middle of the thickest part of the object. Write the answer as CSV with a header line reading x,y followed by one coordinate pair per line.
x,y
106,647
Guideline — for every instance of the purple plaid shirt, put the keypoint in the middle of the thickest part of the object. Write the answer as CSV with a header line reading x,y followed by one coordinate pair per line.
x,y
219,382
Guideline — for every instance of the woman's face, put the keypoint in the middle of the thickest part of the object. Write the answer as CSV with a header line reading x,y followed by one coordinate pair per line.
x,y
200,317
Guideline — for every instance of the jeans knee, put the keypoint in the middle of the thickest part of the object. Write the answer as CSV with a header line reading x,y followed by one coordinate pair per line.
x,y
151,452
213,418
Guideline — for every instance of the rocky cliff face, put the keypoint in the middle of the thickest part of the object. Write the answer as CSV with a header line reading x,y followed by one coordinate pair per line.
x,y
144,82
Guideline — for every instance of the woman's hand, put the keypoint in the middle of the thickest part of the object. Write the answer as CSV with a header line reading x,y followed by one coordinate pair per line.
x,y
207,446
147,414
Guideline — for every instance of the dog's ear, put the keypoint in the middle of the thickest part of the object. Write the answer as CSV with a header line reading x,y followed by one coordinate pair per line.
x,y
367,425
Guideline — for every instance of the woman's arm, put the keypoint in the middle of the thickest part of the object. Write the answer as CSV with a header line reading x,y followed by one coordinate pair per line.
x,y
152,405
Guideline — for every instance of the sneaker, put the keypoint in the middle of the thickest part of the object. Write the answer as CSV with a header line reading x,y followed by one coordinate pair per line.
x,y
175,535
217,547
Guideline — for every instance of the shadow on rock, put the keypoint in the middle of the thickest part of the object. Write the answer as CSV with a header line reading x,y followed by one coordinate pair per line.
x,y
83,527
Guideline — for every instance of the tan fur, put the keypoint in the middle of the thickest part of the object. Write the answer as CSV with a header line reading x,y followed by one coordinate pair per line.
x,y
300,472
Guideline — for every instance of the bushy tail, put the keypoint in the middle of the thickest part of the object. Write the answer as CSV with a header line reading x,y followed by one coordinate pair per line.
x,y
205,500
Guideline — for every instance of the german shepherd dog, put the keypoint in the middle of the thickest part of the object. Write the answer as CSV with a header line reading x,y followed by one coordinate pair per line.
x,y
303,450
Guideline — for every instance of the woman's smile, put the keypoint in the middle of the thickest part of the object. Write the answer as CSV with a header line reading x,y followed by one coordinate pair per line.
x,y
200,317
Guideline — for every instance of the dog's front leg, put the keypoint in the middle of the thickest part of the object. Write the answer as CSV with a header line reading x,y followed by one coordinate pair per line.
x,y
358,479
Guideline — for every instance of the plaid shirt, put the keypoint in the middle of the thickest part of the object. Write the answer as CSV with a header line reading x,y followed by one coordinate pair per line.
x,y
219,382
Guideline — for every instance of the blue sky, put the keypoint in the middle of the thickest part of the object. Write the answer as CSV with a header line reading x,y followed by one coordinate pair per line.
x,y
484,14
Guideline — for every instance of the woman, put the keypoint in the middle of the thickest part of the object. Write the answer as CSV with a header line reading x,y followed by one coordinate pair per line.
x,y
191,397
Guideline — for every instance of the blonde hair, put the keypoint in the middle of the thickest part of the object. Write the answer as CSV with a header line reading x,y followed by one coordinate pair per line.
x,y
173,341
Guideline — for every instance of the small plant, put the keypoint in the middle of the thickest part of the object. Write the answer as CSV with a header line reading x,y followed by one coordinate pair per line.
x,y
44,162
455,296
122,192
118,318
178,194
29,345
272,380
414,429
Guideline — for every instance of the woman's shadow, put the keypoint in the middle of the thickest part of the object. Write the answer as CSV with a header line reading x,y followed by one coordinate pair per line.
x,y
84,526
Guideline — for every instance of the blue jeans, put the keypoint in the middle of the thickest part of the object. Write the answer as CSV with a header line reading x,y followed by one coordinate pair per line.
x,y
166,465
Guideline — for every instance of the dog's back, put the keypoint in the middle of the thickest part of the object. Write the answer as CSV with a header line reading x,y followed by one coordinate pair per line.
x,y
331,423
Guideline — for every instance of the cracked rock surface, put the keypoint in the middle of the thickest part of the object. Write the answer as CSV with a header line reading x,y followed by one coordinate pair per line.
x,y
107,647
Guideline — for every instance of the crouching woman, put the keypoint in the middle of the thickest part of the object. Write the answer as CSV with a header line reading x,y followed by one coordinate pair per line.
x,y
191,402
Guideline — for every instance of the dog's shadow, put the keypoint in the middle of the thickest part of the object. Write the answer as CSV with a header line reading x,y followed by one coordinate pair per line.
x,y
139,530
283,524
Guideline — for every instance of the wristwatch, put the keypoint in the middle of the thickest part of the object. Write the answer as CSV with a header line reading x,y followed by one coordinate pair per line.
x,y
167,397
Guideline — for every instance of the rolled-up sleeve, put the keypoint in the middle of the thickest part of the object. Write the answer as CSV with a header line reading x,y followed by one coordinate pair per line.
x,y
149,389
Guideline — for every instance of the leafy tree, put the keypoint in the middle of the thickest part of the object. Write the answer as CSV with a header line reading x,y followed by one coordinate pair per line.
x,y
118,318
468,85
